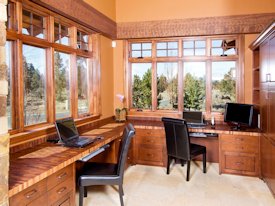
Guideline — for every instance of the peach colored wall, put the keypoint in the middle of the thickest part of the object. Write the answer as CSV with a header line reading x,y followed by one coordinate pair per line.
x,y
107,7
107,77
148,10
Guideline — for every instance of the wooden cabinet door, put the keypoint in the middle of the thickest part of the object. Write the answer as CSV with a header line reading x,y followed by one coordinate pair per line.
x,y
272,58
271,115
265,158
264,61
264,110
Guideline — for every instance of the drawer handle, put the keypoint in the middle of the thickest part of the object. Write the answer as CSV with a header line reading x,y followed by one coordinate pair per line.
x,y
239,163
62,175
150,155
61,190
150,141
30,194
239,139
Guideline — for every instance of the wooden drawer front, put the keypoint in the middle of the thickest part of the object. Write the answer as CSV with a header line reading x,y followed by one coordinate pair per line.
x,y
60,190
239,143
60,176
240,163
30,194
155,137
150,154
242,147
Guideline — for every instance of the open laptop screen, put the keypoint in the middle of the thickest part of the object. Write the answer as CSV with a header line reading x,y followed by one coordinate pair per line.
x,y
66,129
193,117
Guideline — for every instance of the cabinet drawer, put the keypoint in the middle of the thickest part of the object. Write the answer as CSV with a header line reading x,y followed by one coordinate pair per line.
x,y
60,176
30,194
150,140
150,154
150,132
240,163
60,190
241,147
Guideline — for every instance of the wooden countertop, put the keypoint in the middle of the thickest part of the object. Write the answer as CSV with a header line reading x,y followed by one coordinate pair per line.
x,y
33,165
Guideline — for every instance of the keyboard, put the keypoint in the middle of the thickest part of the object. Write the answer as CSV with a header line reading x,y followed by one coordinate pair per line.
x,y
203,134
193,125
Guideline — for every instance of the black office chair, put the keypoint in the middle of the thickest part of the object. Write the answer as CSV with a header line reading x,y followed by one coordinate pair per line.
x,y
106,173
178,144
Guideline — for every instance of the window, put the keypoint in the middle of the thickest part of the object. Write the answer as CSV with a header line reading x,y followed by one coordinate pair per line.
x,y
200,75
82,80
49,77
9,75
167,86
223,47
194,86
141,85
61,34
223,84
34,67
194,48
62,85
140,50
82,41
33,24
167,49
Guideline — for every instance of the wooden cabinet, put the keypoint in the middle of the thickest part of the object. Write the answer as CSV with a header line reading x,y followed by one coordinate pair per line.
x,y
56,190
265,45
149,147
239,154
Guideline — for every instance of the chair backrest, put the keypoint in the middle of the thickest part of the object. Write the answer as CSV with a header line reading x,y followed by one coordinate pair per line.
x,y
177,138
127,136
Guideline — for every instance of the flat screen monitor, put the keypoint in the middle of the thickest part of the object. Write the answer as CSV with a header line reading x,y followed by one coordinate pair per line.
x,y
240,114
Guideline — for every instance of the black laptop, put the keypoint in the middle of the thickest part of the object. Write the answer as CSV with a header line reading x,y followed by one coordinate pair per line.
x,y
68,134
194,118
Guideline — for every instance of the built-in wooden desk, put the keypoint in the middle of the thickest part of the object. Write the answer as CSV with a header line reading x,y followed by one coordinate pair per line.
x,y
42,174
237,152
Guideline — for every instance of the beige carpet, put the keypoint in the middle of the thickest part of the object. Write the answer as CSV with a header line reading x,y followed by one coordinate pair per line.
x,y
150,186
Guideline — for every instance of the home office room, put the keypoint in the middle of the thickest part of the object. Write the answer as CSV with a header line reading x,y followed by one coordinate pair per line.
x,y
121,102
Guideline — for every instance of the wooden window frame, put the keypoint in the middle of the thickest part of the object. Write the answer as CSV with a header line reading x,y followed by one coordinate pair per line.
x,y
18,39
207,58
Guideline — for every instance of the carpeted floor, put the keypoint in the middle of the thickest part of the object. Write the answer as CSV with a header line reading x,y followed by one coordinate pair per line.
x,y
150,186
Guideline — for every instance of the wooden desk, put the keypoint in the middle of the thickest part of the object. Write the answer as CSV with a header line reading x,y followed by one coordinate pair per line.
x,y
237,152
36,171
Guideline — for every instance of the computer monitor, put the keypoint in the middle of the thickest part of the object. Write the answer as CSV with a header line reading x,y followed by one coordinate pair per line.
x,y
240,114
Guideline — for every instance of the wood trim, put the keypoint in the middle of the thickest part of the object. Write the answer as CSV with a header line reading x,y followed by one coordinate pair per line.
x,y
83,14
237,24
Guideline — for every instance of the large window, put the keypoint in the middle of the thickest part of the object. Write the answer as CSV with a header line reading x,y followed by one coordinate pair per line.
x,y
193,74
50,73
141,85
34,67
9,75
82,83
167,86
62,85
194,86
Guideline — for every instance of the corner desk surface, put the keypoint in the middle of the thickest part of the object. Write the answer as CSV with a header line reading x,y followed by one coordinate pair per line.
x,y
34,164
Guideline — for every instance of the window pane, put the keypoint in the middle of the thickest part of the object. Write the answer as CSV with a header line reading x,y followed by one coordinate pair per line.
x,y
172,53
223,84
223,47
82,41
136,54
82,78
34,67
162,45
147,46
161,53
199,52
62,84
33,24
146,53
188,44
200,44
188,52
136,46
194,86
61,34
167,86
141,85
172,45
9,75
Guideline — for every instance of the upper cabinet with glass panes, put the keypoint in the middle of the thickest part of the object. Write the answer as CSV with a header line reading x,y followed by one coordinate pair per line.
x,y
223,47
82,41
140,50
61,34
33,24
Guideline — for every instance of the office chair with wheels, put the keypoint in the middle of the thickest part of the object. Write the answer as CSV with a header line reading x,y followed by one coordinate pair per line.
x,y
178,144
106,173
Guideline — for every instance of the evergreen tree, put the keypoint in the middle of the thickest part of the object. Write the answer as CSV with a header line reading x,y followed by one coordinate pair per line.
x,y
60,78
